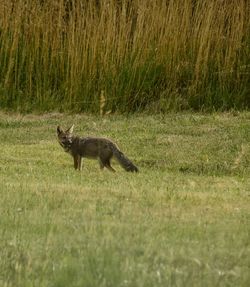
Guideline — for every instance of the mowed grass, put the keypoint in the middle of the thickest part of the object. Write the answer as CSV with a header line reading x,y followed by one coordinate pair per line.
x,y
182,221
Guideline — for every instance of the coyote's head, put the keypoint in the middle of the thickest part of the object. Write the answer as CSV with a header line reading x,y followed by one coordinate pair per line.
x,y
65,137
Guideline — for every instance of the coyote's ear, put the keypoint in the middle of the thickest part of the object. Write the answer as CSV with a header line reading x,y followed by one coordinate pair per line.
x,y
70,130
59,130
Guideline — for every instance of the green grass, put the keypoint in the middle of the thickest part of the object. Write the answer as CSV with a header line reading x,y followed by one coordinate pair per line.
x,y
182,221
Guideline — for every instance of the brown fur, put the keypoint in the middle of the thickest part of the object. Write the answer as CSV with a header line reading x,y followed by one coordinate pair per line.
x,y
93,147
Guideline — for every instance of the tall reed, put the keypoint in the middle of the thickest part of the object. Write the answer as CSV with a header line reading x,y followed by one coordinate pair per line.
x,y
153,54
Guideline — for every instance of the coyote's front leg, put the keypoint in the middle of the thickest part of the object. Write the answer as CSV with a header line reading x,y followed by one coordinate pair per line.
x,y
77,162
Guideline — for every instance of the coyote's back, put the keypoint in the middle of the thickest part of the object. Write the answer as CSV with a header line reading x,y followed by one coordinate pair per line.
x,y
93,147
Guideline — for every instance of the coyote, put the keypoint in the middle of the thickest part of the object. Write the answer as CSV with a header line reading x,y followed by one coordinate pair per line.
x,y
92,147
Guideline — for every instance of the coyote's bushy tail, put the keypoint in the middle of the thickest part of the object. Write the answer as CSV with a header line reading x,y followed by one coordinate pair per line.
x,y
123,160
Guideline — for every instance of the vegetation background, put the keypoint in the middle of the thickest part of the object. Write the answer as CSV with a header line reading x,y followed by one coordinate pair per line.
x,y
183,220
123,55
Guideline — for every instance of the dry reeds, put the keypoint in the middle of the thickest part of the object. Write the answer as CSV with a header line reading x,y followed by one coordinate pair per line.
x,y
65,54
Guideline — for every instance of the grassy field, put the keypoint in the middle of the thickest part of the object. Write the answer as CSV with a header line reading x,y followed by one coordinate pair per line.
x,y
182,221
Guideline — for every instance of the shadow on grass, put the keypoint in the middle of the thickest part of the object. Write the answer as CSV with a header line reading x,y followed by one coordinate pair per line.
x,y
209,169
217,169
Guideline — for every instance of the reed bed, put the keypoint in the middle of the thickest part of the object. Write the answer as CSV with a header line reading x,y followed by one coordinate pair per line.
x,y
107,56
